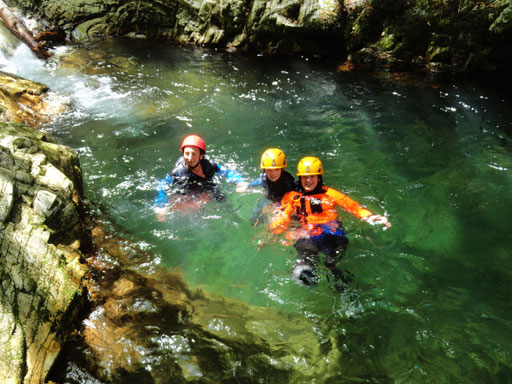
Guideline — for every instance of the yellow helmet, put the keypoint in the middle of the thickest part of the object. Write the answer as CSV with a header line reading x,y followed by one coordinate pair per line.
x,y
309,166
273,158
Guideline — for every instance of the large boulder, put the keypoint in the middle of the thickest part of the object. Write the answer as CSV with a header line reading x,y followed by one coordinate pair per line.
x,y
41,234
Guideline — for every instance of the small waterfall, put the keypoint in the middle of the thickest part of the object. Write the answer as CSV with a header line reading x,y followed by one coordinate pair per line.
x,y
89,95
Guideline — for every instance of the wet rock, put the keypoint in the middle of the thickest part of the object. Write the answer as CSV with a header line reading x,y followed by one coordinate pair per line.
x,y
6,193
41,273
25,102
45,204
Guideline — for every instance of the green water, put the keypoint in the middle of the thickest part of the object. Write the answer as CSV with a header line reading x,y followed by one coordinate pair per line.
x,y
430,301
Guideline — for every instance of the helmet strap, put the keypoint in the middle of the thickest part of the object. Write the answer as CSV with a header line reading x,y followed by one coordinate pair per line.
x,y
195,166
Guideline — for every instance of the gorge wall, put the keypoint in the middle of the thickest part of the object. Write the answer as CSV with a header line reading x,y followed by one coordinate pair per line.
x,y
438,35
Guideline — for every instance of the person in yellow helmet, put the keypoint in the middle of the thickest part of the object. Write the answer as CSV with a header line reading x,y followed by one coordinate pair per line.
x,y
317,227
274,180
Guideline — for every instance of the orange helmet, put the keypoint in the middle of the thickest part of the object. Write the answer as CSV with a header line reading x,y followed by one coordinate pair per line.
x,y
193,141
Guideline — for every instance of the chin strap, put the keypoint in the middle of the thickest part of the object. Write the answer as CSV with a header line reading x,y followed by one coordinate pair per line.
x,y
195,166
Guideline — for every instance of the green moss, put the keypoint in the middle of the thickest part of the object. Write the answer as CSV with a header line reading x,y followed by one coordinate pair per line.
x,y
439,54
503,22
459,32
387,42
90,28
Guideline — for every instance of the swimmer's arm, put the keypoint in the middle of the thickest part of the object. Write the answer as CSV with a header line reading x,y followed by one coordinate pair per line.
x,y
161,197
230,175
243,186
347,204
281,221
357,210
256,183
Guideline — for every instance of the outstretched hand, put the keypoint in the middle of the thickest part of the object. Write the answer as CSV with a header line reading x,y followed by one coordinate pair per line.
x,y
378,219
160,214
265,238
242,186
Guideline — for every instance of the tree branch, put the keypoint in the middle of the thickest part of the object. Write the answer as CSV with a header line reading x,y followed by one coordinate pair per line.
x,y
20,30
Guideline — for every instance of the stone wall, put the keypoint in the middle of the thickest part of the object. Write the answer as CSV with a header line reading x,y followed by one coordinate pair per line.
x,y
41,272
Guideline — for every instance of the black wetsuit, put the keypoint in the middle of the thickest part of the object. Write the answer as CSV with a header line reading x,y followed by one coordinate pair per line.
x,y
274,191
186,182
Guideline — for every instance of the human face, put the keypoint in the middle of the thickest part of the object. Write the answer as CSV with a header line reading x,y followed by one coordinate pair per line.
x,y
309,182
273,174
192,156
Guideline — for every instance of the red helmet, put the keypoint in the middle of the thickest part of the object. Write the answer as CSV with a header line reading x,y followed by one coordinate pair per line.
x,y
193,141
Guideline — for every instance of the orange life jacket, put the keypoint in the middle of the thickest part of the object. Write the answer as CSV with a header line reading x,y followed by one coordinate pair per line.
x,y
312,210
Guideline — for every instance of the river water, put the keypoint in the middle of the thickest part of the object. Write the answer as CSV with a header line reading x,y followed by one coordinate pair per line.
x,y
430,300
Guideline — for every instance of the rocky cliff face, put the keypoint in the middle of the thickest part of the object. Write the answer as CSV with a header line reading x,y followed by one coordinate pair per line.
x,y
40,269
283,26
460,35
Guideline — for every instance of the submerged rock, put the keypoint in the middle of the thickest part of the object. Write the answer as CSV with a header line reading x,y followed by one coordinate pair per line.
x,y
150,326
41,233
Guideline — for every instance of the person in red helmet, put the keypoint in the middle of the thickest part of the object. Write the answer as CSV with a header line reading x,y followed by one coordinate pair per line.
x,y
192,179
315,227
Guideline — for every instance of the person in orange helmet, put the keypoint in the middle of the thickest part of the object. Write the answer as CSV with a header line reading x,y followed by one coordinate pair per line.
x,y
191,183
317,228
